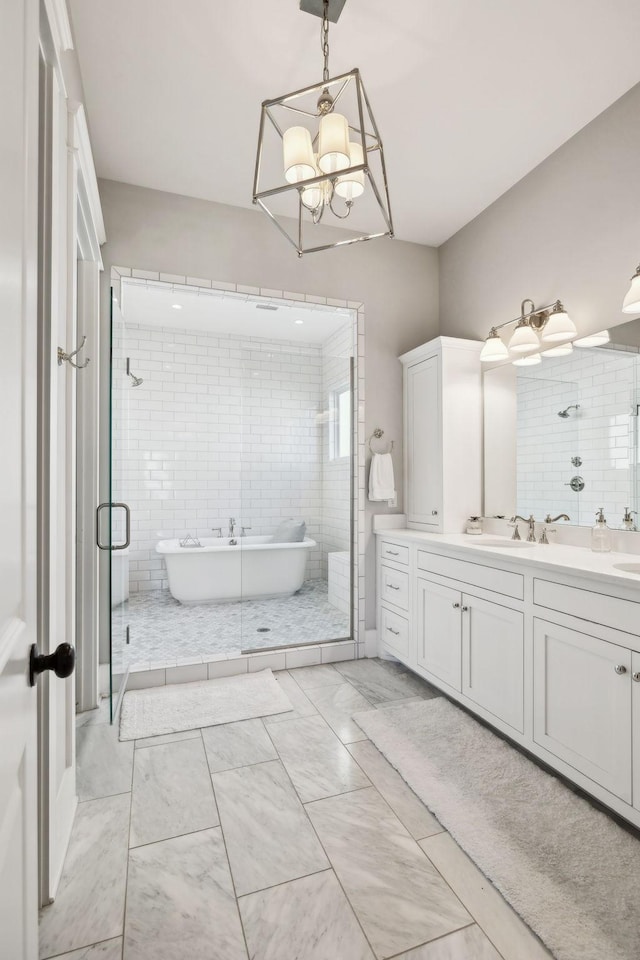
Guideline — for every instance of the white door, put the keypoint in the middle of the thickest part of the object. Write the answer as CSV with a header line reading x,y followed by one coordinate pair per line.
x,y
582,703
423,445
18,317
439,628
57,477
493,658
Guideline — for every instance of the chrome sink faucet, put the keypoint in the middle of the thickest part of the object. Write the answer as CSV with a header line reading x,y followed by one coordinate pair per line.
x,y
531,538
561,516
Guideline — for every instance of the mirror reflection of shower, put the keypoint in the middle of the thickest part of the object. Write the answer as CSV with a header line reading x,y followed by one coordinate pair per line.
x,y
135,381
565,413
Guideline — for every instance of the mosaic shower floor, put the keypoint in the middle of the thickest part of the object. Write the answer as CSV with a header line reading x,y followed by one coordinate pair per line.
x,y
161,629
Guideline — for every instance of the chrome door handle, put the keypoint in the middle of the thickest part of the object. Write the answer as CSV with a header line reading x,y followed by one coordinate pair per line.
x,y
127,541
620,668
396,633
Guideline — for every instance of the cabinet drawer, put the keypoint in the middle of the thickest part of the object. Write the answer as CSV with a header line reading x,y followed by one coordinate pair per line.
x,y
394,632
587,605
394,551
489,578
394,586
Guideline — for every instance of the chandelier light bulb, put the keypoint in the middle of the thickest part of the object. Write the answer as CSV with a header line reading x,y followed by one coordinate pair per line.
x,y
298,155
333,143
494,349
524,338
559,326
631,303
351,185
593,339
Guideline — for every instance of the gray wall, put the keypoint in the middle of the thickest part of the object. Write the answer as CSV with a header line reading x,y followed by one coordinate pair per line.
x,y
569,229
396,281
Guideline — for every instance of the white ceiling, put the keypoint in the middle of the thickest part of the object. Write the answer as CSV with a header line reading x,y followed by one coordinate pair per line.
x,y
469,96
155,304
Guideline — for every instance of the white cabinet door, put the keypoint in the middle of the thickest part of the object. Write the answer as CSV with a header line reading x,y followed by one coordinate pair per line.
x,y
635,735
582,704
423,442
492,659
438,623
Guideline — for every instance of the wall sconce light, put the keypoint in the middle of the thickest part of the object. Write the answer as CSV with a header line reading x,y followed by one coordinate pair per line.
x,y
539,332
631,303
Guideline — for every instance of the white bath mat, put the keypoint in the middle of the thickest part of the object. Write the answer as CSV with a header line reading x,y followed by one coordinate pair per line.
x,y
206,703
569,870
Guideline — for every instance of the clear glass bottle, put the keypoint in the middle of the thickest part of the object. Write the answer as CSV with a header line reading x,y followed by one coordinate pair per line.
x,y
600,534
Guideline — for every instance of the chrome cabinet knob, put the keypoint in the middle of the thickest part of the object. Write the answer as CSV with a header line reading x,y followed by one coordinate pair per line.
x,y
434,513
456,606
464,609
636,676
620,668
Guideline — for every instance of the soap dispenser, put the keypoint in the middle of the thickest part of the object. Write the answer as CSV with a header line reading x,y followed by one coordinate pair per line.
x,y
600,534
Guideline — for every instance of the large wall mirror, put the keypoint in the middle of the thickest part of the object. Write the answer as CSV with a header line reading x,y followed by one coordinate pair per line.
x,y
562,436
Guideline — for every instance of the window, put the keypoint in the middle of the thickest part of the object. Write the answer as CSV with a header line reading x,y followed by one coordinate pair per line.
x,y
340,423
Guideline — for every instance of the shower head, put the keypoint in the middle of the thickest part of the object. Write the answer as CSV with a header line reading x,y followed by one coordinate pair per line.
x,y
565,413
135,381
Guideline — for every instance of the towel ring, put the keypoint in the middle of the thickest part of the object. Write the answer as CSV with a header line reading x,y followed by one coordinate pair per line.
x,y
378,434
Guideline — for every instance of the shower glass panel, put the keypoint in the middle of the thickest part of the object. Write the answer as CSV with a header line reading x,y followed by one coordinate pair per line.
x,y
230,428
296,474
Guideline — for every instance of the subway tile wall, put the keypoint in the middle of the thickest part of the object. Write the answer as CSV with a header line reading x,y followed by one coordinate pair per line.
x,y
602,433
222,427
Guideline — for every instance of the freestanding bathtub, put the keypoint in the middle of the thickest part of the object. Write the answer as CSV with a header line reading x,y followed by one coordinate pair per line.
x,y
255,568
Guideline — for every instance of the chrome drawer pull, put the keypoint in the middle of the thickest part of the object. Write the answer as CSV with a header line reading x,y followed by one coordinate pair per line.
x,y
396,633
392,587
393,553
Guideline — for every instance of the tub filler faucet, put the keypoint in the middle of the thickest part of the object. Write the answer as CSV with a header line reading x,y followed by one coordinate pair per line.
x,y
232,526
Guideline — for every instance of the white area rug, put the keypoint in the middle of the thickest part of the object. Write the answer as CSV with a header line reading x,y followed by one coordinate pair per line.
x,y
206,703
568,869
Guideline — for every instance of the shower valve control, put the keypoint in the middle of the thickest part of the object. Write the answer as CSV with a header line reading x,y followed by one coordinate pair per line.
x,y
576,461
576,483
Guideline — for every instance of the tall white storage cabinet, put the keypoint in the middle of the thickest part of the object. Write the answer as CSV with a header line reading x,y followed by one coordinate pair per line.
x,y
442,434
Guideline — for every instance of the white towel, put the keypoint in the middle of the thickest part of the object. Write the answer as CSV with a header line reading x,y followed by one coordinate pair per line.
x,y
381,483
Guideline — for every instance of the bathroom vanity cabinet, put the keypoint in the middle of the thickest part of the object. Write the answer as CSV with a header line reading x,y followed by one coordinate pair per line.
x,y
442,434
546,652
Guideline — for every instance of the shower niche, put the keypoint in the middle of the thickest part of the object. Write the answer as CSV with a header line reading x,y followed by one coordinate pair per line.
x,y
232,438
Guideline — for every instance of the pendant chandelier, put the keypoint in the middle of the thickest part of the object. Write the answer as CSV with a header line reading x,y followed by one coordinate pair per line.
x,y
320,158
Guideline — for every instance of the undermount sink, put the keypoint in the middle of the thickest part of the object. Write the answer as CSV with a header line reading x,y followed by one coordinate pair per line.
x,y
628,567
508,545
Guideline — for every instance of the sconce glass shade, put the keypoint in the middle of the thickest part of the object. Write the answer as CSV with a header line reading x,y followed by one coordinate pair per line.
x,y
562,350
351,185
559,326
528,361
593,339
298,155
631,303
333,143
494,349
524,338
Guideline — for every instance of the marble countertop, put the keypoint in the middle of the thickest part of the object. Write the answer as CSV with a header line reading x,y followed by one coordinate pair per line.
x,y
555,557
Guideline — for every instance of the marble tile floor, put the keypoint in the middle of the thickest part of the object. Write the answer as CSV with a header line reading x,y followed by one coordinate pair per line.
x,y
285,838
163,630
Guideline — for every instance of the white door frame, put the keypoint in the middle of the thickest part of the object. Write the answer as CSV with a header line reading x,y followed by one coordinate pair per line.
x,y
71,211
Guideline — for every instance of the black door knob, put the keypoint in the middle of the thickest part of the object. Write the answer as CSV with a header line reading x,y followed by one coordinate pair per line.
x,y
61,661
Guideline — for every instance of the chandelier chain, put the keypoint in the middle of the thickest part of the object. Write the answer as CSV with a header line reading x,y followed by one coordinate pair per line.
x,y
325,39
